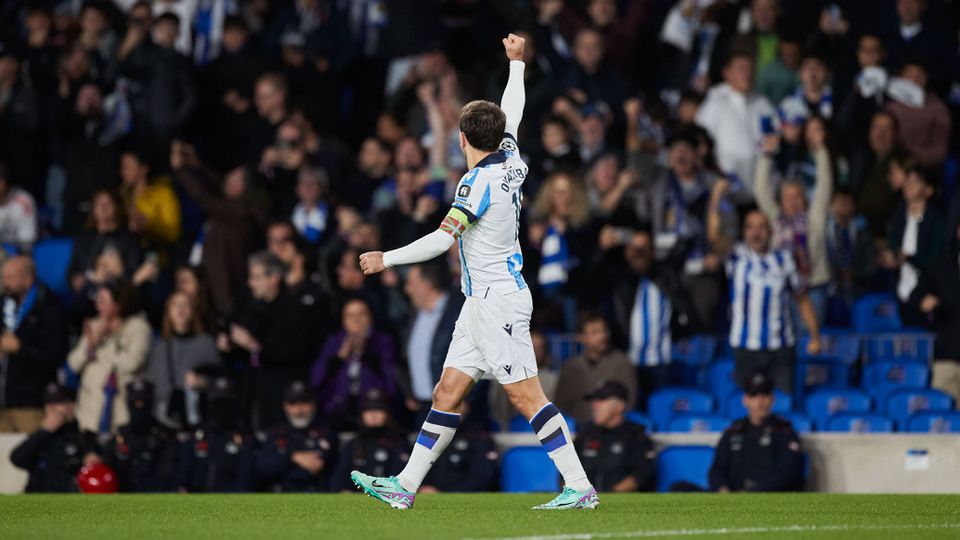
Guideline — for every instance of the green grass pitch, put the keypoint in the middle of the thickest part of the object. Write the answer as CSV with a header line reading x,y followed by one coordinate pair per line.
x,y
267,516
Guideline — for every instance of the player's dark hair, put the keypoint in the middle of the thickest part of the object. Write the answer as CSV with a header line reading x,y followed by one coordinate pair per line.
x,y
483,124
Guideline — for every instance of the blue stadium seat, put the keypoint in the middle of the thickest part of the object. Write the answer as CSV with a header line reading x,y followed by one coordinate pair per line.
x,y
528,468
696,351
733,406
801,424
904,346
832,366
697,423
822,404
881,378
684,463
720,379
638,417
859,423
52,257
935,422
875,313
904,403
519,424
668,402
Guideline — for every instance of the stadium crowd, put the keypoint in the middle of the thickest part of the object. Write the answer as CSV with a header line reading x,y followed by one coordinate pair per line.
x,y
747,168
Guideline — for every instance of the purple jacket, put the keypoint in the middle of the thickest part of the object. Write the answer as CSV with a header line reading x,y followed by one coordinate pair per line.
x,y
330,379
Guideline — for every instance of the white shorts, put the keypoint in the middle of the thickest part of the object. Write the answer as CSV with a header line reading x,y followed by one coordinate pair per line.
x,y
492,338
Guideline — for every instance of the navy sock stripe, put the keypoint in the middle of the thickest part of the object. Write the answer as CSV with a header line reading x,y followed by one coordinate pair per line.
x,y
445,419
554,440
549,411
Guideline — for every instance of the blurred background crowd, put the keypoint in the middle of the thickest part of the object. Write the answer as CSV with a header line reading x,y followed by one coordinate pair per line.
x,y
219,165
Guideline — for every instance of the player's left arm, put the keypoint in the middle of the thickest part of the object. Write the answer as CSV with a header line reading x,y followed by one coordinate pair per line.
x,y
471,202
514,96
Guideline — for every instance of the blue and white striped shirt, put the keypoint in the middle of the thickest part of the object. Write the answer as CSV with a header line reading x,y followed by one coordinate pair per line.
x,y
760,291
650,326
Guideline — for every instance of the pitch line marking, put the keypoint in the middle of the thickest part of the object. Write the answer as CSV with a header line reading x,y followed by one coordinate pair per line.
x,y
727,531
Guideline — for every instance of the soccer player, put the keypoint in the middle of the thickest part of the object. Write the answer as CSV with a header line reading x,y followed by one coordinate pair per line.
x,y
492,335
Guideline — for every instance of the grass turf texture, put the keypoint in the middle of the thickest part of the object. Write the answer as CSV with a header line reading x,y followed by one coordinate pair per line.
x,y
479,516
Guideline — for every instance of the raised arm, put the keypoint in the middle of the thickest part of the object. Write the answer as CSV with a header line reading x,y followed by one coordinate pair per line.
x,y
514,95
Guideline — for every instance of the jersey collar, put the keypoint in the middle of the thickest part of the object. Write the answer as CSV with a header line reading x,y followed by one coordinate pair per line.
x,y
492,158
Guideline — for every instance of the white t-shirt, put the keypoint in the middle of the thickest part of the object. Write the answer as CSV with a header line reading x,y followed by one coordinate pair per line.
x,y
490,195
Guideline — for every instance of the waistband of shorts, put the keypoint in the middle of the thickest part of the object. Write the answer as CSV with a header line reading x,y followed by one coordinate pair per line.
x,y
489,292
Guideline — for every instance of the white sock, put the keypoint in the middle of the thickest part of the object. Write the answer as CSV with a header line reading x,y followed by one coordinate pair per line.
x,y
435,434
554,435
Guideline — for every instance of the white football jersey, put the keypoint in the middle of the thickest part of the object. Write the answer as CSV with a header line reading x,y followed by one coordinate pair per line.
x,y
490,195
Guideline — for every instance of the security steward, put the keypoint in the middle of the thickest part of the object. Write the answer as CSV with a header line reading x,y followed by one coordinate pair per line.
x,y
760,452
143,453
57,450
219,456
299,455
470,462
379,449
617,455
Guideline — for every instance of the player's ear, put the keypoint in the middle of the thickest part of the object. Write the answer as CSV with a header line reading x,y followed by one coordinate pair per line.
x,y
463,142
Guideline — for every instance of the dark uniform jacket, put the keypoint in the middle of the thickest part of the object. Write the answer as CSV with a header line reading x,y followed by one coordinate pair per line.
x,y
377,452
43,348
611,455
145,461
758,458
275,465
215,460
53,459
468,464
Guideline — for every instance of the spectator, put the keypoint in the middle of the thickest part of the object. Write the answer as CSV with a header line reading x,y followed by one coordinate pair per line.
x,y
617,455
871,168
642,310
91,156
914,242
153,209
373,167
852,255
302,284
592,133
555,152
167,96
106,232
142,453
266,334
798,228
938,297
923,120
599,362
219,457
111,351
270,100
281,163
311,215
33,344
353,362
469,464
813,96
378,449
760,452
780,78
434,314
737,118
54,453
20,136
18,215
868,90
300,454
178,357
233,220
913,38
559,238
761,333
590,74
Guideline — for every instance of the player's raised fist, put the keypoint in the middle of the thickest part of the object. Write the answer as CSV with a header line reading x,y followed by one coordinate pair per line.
x,y
372,263
513,45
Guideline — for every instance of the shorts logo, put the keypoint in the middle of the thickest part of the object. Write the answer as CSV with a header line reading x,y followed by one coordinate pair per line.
x,y
464,191
508,369
508,328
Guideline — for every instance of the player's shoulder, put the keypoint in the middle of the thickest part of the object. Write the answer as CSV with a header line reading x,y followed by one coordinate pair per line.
x,y
509,145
